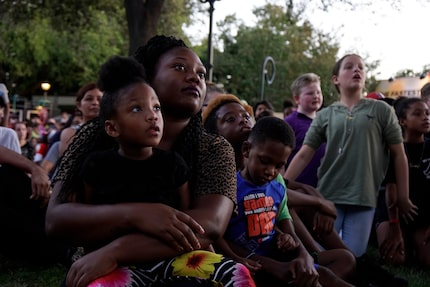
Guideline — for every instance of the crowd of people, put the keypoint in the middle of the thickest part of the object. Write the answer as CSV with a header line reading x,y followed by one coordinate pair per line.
x,y
163,179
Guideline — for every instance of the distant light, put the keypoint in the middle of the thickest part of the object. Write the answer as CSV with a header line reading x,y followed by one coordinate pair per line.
x,y
45,86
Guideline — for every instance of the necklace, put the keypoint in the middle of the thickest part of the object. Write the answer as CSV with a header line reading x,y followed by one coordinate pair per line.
x,y
414,154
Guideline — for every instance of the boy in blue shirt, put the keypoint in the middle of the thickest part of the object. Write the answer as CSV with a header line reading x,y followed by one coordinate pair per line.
x,y
262,235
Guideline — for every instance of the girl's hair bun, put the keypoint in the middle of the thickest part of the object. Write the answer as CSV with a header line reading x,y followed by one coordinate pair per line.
x,y
118,72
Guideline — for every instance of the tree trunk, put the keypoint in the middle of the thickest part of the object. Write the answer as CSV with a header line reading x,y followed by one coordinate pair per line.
x,y
142,19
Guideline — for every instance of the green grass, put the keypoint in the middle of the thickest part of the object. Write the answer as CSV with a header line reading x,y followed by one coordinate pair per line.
x,y
14,273
33,277
416,277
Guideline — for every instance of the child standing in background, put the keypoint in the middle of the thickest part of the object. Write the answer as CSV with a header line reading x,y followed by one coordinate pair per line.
x,y
357,132
307,94
401,241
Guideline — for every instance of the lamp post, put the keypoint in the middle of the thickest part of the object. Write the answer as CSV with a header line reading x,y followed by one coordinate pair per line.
x,y
209,63
45,87
266,75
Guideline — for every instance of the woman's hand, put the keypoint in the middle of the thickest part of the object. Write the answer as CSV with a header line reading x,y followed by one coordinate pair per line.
x,y
172,226
90,267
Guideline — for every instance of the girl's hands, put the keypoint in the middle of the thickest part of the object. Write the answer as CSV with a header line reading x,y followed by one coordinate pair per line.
x,y
392,249
90,267
252,265
407,209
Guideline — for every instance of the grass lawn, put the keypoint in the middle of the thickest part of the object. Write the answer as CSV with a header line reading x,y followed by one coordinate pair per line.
x,y
17,274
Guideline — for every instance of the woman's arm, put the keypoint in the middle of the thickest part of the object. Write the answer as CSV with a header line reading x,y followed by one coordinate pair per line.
x,y
84,224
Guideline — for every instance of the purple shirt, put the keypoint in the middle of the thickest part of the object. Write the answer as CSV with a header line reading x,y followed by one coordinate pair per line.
x,y
300,124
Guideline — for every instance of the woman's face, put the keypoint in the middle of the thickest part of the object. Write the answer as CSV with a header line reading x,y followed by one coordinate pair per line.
x,y
90,104
21,130
179,82
234,123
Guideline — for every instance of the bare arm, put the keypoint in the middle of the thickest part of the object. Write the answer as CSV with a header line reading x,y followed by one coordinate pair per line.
x,y
303,233
6,115
40,183
296,198
74,222
390,238
406,208
299,162
304,188
184,195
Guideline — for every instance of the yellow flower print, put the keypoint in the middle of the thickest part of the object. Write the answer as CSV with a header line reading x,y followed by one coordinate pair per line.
x,y
198,264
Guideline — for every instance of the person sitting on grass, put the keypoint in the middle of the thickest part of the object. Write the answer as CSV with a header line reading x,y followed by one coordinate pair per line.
x,y
262,235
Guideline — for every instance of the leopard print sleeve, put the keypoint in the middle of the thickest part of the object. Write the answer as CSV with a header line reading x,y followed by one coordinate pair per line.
x,y
216,172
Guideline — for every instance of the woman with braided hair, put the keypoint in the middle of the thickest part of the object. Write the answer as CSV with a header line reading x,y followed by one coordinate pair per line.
x,y
150,244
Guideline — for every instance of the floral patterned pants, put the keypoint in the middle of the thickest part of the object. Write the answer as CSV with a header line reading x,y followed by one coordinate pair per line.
x,y
196,268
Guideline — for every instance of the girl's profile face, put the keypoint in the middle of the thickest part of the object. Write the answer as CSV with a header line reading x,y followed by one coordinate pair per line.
x,y
352,74
179,82
417,118
234,123
90,104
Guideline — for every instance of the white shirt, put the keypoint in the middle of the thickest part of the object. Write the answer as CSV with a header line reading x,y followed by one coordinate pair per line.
x,y
9,139
4,93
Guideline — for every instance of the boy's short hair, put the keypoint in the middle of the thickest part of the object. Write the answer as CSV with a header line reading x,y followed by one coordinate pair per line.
x,y
302,81
272,128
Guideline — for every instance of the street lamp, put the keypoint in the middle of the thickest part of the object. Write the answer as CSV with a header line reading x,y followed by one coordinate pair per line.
x,y
45,87
209,63
267,75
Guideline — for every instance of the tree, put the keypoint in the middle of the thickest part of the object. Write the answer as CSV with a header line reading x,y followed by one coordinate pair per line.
x,y
142,20
65,42
295,45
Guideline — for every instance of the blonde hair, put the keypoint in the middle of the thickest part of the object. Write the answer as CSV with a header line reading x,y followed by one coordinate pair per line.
x,y
302,81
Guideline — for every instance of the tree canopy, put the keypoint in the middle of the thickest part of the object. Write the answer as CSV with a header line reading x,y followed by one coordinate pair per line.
x,y
66,42
280,32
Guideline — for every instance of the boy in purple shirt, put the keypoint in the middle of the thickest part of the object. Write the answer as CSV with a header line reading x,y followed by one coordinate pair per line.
x,y
307,94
